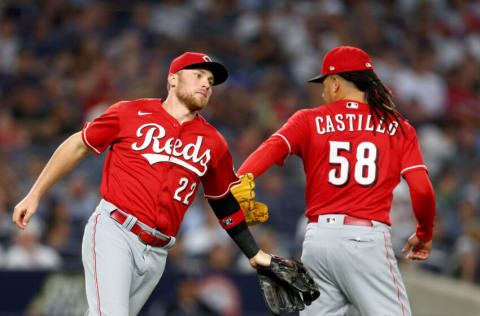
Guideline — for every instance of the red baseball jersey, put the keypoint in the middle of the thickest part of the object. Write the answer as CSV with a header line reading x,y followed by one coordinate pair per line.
x,y
155,164
352,164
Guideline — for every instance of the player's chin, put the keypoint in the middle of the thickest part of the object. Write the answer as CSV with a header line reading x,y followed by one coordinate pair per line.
x,y
198,104
202,100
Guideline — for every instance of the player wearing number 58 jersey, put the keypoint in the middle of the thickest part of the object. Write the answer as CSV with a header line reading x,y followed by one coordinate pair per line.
x,y
159,152
354,150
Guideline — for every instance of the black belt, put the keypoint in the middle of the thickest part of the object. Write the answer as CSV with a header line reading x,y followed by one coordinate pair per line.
x,y
145,236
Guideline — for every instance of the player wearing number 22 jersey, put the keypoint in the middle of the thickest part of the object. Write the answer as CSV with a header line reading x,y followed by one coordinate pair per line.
x,y
145,144
159,152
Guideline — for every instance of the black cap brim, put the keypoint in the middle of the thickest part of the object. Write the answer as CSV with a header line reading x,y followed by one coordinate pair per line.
x,y
318,79
219,71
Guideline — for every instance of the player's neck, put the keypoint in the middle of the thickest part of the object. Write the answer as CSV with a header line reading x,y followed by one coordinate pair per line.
x,y
354,95
178,110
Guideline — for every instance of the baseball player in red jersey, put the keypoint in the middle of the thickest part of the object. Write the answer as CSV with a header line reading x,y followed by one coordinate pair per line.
x,y
354,150
159,151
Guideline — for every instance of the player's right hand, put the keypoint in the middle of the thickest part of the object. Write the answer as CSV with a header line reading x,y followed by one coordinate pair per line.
x,y
24,211
420,250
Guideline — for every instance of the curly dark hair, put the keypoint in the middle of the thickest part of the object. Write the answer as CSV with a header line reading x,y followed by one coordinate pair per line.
x,y
378,96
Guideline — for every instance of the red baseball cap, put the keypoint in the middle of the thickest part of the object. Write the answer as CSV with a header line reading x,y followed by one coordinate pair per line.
x,y
343,59
191,60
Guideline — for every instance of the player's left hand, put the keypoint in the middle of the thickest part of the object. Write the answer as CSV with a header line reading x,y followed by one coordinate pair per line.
x,y
244,190
261,259
255,212
420,250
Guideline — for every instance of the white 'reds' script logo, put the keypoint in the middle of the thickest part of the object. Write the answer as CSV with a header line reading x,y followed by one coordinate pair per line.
x,y
153,136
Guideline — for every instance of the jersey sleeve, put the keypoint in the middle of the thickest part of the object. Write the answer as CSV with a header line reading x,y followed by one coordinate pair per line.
x,y
423,202
102,131
273,150
294,131
220,177
412,157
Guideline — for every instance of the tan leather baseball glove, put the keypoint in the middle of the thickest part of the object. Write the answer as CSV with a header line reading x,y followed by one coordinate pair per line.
x,y
255,212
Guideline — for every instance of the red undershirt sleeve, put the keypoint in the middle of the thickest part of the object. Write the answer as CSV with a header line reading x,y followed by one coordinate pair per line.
x,y
273,150
423,202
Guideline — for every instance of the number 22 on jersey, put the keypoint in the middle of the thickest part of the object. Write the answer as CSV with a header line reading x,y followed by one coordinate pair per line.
x,y
183,184
365,171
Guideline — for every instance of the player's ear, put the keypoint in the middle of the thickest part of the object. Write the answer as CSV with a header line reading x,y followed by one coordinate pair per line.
x,y
172,79
336,83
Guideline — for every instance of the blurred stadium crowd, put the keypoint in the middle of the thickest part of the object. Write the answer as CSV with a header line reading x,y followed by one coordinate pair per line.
x,y
62,62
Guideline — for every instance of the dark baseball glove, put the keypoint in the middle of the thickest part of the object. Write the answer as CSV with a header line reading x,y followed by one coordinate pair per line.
x,y
286,286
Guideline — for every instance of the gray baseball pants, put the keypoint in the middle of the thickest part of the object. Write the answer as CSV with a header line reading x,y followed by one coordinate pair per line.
x,y
120,270
353,265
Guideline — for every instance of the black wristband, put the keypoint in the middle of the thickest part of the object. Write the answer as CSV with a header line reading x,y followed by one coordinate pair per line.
x,y
243,238
240,233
